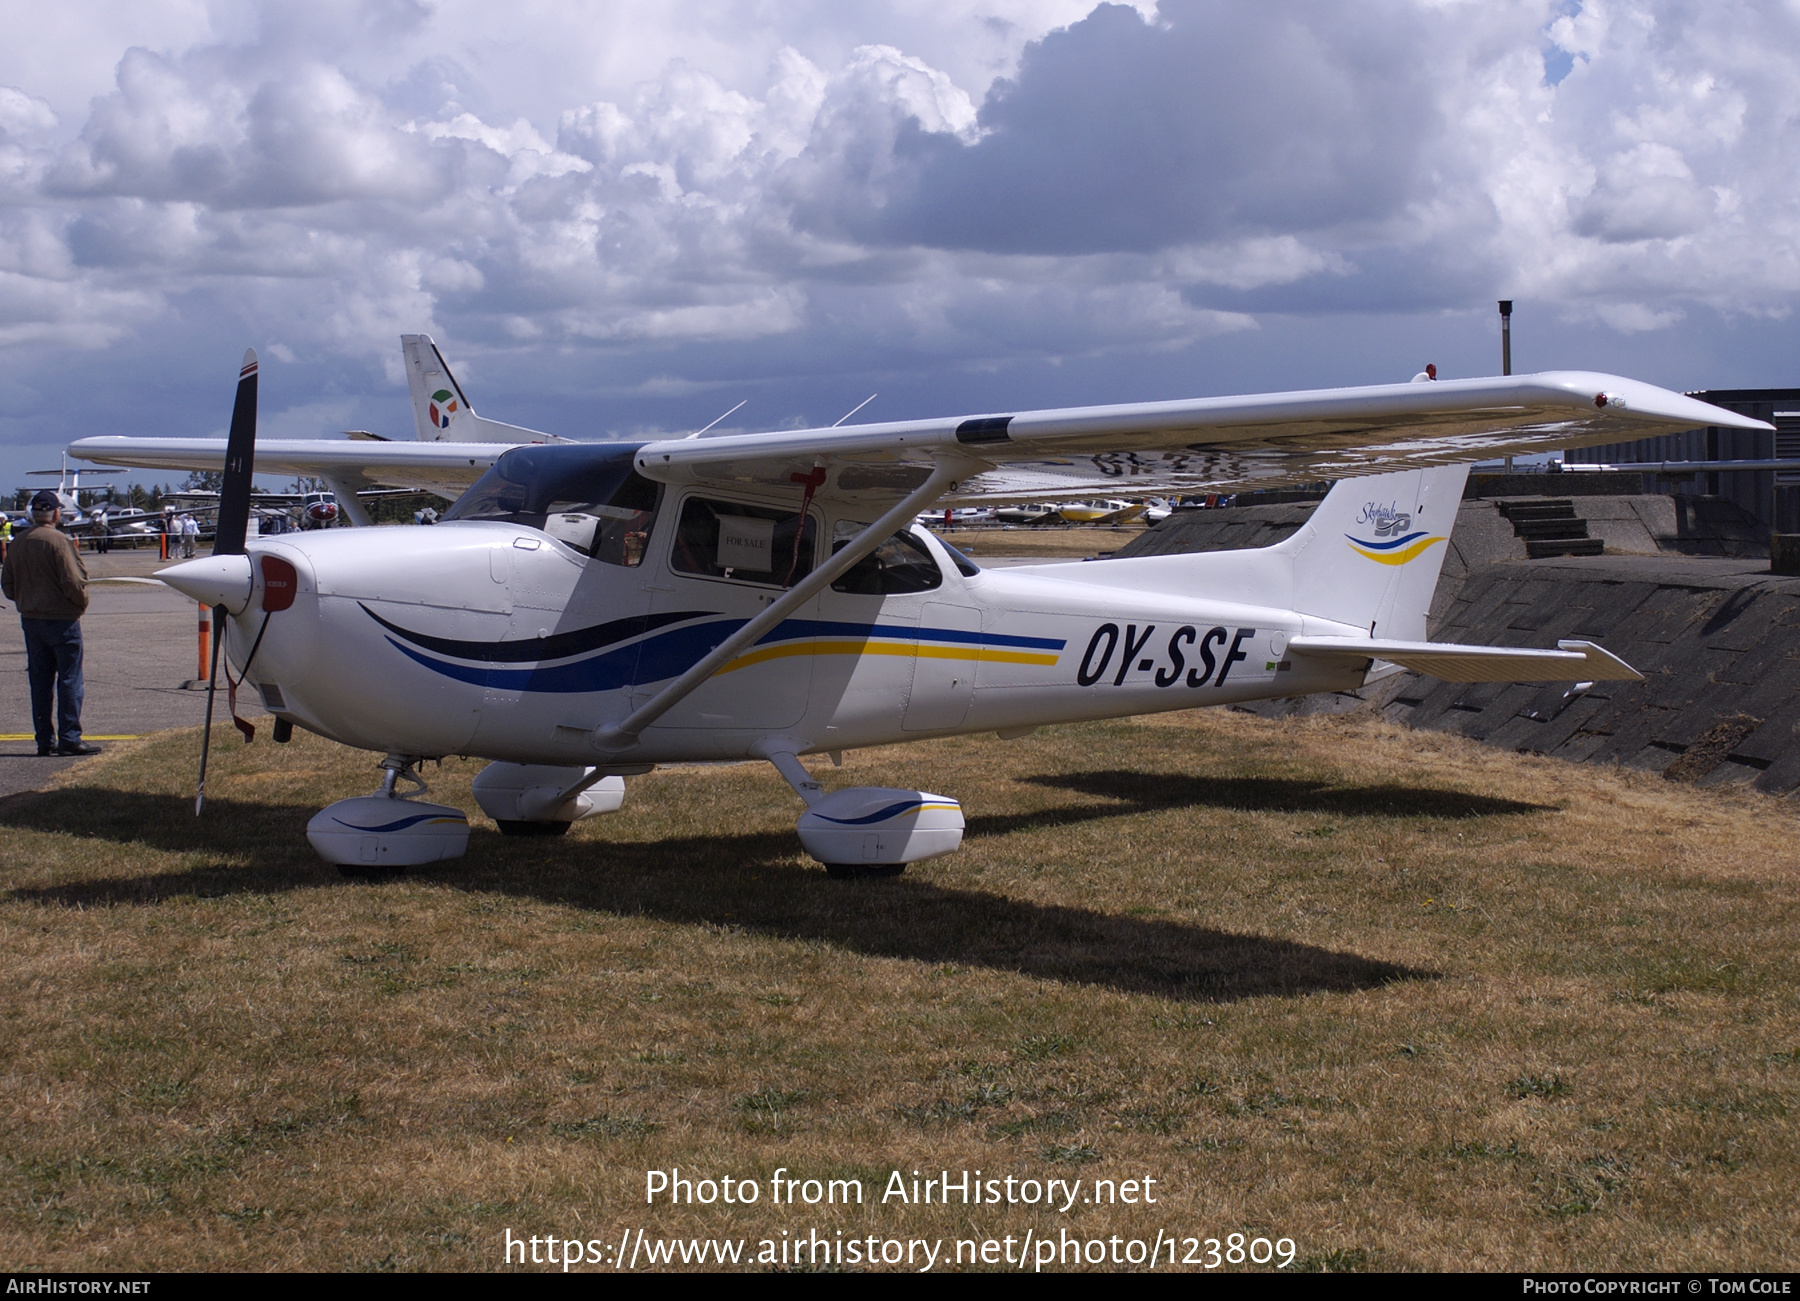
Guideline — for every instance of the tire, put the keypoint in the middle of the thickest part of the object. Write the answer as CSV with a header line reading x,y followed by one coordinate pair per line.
x,y
370,872
863,871
516,827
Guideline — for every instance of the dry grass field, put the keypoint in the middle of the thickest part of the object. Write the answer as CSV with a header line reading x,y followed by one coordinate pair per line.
x,y
1411,1003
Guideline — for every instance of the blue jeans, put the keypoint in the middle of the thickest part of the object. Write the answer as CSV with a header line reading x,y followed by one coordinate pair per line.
x,y
53,666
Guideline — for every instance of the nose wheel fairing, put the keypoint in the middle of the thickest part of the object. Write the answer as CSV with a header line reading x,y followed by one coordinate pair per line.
x,y
384,833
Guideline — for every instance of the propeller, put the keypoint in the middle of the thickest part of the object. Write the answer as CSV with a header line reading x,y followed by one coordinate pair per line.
x,y
231,529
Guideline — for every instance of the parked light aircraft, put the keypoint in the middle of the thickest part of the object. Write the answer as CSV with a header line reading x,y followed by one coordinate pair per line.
x,y
588,611
312,508
452,448
1112,511
102,515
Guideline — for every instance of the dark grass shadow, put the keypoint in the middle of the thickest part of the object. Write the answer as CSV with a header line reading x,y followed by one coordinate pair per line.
x,y
749,882
1145,792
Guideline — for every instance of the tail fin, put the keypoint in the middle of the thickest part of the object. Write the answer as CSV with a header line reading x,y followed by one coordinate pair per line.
x,y
1370,555
441,410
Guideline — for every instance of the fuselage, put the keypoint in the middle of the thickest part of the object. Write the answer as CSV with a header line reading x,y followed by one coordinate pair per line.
x,y
500,640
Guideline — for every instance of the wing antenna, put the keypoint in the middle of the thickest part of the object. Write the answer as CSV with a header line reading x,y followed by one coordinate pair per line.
x,y
698,432
858,407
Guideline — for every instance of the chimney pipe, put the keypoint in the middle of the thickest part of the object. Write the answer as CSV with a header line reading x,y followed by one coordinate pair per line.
x,y
1506,336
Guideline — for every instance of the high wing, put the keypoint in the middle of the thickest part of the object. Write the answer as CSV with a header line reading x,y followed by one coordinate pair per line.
x,y
1200,445
350,465
454,448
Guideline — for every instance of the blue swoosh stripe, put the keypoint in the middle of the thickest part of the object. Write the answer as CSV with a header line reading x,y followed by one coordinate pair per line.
x,y
557,646
666,655
669,654
1385,546
891,811
401,825
567,645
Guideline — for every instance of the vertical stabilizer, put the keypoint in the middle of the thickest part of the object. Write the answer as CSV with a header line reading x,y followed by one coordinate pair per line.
x,y
1371,553
441,410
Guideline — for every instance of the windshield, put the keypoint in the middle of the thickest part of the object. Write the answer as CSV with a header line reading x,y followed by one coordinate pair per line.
x,y
588,496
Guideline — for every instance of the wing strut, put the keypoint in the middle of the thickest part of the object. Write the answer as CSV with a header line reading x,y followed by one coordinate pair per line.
x,y
344,489
624,734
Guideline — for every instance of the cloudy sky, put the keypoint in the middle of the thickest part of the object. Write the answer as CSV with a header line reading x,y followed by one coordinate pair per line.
x,y
619,219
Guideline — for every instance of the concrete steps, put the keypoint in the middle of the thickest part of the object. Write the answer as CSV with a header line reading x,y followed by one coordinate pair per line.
x,y
1549,526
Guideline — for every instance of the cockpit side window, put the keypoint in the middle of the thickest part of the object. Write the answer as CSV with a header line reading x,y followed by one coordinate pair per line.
x,y
590,497
615,531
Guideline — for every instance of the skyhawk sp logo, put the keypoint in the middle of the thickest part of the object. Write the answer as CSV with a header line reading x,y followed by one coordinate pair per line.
x,y
1392,544
1386,520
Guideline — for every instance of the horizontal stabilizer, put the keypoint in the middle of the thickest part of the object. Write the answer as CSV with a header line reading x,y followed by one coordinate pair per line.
x,y
1572,661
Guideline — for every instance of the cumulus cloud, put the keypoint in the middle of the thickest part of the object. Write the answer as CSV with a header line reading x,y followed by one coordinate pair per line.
x,y
1216,121
1646,192
664,190
190,133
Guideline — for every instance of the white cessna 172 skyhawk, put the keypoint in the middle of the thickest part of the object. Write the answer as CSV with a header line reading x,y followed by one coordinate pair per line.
x,y
586,611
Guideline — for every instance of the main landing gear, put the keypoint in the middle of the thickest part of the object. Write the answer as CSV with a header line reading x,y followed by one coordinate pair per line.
x,y
534,799
870,831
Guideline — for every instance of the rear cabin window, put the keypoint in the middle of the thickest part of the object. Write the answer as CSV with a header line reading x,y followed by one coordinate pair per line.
x,y
751,544
964,566
899,565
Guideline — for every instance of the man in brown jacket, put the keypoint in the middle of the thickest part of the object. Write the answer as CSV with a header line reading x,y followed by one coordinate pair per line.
x,y
45,578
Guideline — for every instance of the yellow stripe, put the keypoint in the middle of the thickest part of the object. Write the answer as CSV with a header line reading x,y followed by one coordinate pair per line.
x,y
1397,557
981,653
86,736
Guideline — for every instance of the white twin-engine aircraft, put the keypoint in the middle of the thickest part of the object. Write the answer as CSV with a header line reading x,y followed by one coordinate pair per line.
x,y
586,611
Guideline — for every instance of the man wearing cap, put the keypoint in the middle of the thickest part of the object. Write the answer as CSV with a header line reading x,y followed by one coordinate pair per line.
x,y
43,575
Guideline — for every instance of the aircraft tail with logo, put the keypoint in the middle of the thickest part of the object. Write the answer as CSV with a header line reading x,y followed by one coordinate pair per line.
x,y
441,409
1371,553
1366,561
